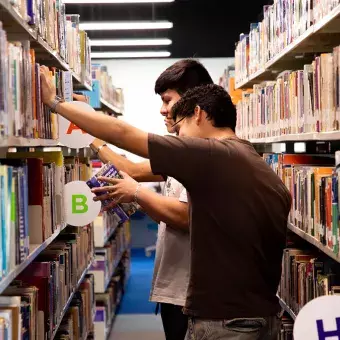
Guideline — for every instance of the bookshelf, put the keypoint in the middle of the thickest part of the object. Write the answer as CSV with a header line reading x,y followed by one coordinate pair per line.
x,y
320,37
24,253
35,250
18,28
288,71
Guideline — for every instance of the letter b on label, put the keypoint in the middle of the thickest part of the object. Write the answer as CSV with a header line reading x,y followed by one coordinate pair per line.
x,y
79,205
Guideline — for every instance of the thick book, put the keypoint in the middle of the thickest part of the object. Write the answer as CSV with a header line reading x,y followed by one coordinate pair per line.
x,y
123,211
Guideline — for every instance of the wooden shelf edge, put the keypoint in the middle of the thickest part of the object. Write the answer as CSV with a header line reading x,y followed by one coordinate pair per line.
x,y
314,242
111,107
27,142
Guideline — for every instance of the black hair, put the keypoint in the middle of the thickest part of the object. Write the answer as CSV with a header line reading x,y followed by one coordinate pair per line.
x,y
213,99
182,76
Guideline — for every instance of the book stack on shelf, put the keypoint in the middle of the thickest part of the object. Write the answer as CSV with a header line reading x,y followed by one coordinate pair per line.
x,y
110,269
297,102
78,321
105,96
35,303
227,81
288,69
42,39
285,24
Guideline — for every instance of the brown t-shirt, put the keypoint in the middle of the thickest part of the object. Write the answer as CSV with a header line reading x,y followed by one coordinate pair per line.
x,y
238,220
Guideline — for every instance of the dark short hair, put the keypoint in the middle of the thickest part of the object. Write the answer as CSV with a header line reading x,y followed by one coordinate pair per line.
x,y
213,99
182,76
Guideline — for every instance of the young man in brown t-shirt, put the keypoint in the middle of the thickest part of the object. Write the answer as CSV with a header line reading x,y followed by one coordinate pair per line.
x,y
238,210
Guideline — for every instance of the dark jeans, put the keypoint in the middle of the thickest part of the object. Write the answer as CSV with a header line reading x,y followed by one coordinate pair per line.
x,y
175,323
236,329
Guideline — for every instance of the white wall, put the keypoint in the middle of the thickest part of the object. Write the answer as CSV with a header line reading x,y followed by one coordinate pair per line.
x,y
137,78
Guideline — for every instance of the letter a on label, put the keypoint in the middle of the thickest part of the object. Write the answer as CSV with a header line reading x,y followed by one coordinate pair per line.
x,y
73,127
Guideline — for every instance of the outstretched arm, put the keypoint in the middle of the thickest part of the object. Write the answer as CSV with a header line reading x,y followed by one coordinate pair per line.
x,y
141,172
101,126
161,209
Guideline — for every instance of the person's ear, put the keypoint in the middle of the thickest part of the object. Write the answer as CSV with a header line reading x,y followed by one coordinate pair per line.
x,y
198,115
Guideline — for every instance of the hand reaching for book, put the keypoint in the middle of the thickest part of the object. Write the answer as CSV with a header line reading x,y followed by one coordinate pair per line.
x,y
120,190
48,89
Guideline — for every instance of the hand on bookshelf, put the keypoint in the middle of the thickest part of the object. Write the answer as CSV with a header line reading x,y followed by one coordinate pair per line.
x,y
80,98
120,190
48,89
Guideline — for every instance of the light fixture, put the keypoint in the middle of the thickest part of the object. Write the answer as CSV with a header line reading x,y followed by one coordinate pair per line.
x,y
122,25
131,42
115,1
122,55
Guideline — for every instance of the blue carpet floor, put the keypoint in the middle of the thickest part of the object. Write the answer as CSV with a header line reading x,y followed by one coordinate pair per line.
x,y
136,297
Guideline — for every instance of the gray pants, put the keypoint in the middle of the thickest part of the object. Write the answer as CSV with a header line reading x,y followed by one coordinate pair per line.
x,y
236,329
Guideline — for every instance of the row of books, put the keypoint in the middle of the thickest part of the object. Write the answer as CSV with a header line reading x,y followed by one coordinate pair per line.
x,y
283,22
78,322
307,275
108,91
299,101
60,31
33,305
32,200
107,303
22,113
314,185
107,258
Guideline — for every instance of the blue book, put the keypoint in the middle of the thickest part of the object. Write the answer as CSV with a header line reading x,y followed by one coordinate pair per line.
x,y
3,170
22,215
25,199
31,11
94,95
6,241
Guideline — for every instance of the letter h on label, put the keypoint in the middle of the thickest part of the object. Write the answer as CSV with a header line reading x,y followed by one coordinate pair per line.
x,y
323,335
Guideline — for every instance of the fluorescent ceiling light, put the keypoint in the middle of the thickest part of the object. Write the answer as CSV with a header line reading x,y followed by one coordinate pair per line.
x,y
115,1
130,25
147,54
131,42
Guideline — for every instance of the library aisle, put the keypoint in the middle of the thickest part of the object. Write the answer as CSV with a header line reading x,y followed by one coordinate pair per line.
x,y
136,317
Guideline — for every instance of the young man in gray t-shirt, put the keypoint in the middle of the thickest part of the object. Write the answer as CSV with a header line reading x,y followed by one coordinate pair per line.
x,y
171,272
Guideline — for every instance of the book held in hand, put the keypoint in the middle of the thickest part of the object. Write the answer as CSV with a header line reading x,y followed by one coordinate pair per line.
x,y
123,210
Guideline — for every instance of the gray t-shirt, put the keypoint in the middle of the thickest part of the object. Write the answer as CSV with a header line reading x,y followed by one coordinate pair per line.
x,y
171,273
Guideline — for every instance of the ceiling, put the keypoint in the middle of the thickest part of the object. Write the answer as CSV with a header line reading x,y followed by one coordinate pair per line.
x,y
202,28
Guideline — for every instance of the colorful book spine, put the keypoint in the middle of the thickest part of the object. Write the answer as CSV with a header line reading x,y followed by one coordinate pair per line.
x,y
283,22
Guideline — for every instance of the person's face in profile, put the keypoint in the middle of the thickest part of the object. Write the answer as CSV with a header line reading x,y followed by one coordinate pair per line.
x,y
169,99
